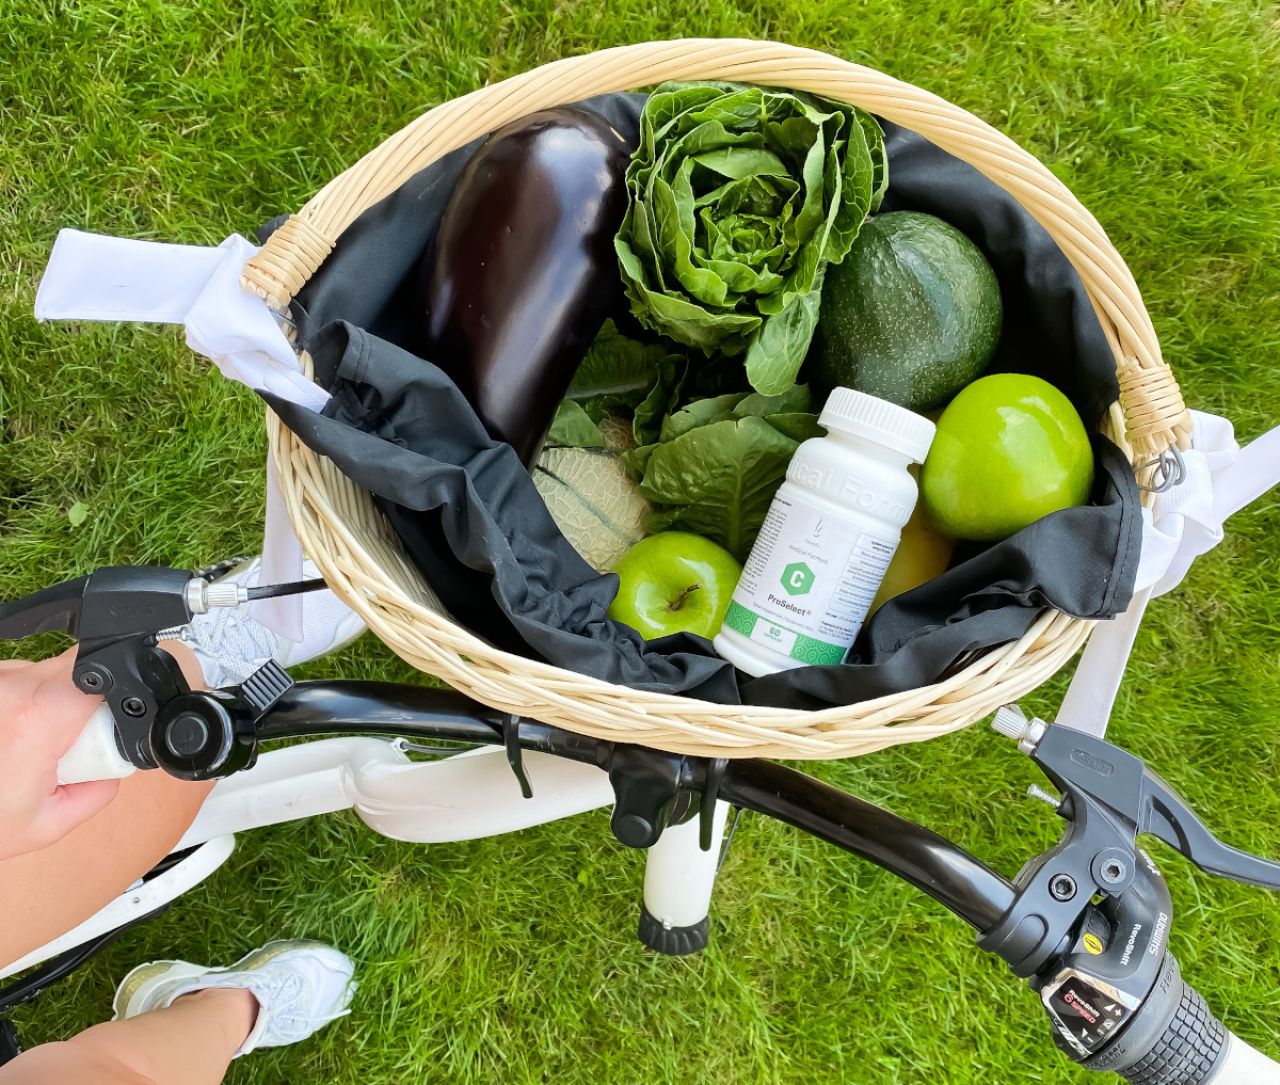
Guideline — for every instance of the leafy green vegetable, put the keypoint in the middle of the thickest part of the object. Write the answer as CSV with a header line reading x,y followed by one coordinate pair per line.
x,y
718,462
618,376
572,427
700,412
739,198
662,397
617,372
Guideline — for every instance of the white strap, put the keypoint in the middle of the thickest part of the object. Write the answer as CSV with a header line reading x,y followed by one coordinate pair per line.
x,y
1254,473
1182,523
93,277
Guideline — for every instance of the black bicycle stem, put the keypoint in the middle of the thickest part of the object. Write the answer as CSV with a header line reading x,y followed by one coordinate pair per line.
x,y
933,864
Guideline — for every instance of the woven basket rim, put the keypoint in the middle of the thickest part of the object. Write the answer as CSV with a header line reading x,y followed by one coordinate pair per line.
x,y
347,536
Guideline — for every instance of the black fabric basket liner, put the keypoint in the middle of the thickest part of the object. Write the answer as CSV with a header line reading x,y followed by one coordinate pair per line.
x,y
473,522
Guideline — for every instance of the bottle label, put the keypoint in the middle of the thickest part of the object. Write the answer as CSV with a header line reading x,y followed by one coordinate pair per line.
x,y
808,584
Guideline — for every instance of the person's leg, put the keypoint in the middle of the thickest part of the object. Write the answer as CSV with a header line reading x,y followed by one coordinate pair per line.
x,y
181,1024
46,893
191,1042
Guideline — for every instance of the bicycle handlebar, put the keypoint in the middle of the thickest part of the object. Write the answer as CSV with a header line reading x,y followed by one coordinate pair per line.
x,y
1174,1039
943,870
95,754
1245,1065
1170,1038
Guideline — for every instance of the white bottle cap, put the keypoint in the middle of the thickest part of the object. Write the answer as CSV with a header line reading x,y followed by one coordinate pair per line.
x,y
875,419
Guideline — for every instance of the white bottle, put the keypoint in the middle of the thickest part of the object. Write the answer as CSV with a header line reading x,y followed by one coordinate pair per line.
x,y
828,538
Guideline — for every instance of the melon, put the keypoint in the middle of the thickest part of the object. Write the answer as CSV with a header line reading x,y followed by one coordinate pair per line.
x,y
594,502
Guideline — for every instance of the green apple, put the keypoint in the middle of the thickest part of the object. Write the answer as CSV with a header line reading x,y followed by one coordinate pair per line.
x,y
1009,449
675,582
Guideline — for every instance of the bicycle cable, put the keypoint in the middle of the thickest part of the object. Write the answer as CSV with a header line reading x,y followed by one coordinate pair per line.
x,y
296,587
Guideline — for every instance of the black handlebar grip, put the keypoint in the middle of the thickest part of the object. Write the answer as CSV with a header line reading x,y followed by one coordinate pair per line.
x,y
1189,1049
1173,1039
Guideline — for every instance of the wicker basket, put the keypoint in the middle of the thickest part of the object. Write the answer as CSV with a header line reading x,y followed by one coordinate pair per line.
x,y
362,559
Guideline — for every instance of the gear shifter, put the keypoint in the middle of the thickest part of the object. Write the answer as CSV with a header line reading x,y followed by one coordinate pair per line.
x,y
1091,917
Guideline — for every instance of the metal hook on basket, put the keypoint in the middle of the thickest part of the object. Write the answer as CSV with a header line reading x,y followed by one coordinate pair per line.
x,y
1170,471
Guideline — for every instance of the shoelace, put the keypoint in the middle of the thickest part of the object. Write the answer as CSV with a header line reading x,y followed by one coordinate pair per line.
x,y
287,1020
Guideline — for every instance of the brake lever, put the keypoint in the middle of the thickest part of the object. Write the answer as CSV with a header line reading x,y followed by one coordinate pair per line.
x,y
1085,768
117,615
1108,798
1091,917
54,609
1166,816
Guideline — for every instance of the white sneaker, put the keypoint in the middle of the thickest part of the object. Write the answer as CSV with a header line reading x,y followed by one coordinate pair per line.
x,y
230,645
300,987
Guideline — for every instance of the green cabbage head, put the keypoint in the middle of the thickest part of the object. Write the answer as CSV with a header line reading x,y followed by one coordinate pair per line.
x,y
739,198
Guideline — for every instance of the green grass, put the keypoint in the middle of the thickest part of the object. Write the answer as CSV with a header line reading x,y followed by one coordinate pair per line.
x,y
514,959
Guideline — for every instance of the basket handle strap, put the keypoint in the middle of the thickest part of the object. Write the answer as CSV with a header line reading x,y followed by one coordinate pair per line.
x,y
1155,416
95,277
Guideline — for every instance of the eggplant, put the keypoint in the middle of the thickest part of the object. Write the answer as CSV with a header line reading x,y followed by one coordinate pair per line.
x,y
522,272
